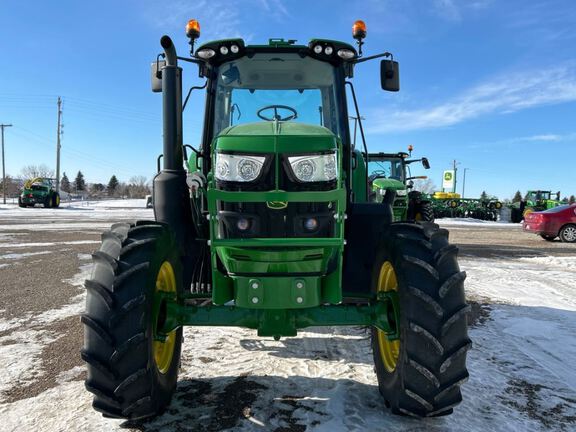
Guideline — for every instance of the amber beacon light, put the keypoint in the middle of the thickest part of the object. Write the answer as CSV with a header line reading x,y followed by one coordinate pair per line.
x,y
359,30
193,29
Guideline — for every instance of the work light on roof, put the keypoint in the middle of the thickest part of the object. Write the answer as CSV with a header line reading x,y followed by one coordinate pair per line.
x,y
206,53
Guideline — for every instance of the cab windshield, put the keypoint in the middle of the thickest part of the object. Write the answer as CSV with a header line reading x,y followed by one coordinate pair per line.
x,y
388,168
302,86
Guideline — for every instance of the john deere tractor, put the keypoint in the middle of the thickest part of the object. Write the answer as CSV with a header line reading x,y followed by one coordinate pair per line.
x,y
271,228
39,190
535,200
389,173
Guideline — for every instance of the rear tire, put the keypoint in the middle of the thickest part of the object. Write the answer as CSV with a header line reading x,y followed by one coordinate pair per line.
x,y
47,201
568,233
20,203
56,200
126,373
426,212
430,360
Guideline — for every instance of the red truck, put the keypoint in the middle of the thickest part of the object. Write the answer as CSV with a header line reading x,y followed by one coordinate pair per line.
x,y
555,222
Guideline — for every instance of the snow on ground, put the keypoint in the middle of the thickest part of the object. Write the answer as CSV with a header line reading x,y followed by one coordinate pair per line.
x,y
521,366
470,222
79,214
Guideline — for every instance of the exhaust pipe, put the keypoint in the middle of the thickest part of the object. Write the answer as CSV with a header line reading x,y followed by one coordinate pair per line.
x,y
171,194
172,106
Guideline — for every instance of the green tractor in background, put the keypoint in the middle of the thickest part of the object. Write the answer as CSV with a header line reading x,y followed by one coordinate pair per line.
x,y
389,173
39,190
272,229
535,200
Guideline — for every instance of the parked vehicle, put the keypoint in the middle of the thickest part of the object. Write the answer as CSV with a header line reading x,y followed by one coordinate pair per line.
x,y
39,190
555,222
390,173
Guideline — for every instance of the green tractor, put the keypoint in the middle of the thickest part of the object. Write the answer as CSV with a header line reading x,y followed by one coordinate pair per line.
x,y
535,200
272,229
39,190
389,173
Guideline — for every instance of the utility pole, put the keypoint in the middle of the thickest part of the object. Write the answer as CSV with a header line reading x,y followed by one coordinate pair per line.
x,y
58,146
2,126
455,177
464,182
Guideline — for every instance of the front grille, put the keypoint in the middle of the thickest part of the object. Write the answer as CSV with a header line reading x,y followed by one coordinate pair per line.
x,y
264,222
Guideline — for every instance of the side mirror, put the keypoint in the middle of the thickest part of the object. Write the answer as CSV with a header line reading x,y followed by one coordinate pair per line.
x,y
425,163
389,75
156,75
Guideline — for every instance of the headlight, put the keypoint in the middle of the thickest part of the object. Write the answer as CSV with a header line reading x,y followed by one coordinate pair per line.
x,y
238,168
314,168
401,192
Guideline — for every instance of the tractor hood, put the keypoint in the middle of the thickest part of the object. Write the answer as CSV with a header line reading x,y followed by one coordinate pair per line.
x,y
388,183
276,137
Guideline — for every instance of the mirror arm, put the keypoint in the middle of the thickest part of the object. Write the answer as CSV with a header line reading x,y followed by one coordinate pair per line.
x,y
361,60
191,60
190,92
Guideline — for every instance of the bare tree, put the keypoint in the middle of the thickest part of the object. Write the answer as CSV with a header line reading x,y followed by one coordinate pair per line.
x,y
12,186
425,186
138,187
32,171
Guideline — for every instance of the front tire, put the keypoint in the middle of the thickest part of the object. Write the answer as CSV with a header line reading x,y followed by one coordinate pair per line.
x,y
132,374
548,237
420,374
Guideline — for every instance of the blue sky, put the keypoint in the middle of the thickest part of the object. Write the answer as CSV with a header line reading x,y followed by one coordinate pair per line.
x,y
490,83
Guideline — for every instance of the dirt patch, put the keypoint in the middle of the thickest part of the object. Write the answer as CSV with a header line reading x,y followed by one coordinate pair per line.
x,y
37,287
59,356
509,242
479,313
554,413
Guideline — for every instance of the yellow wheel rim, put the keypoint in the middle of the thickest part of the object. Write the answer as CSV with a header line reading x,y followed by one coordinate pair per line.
x,y
389,350
57,200
164,350
527,212
418,217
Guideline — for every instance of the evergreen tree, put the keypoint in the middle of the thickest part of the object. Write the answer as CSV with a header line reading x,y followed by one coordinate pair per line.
x,y
65,183
79,182
572,199
517,197
484,196
112,185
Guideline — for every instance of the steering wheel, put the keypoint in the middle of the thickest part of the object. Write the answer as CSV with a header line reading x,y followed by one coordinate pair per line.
x,y
277,117
377,174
